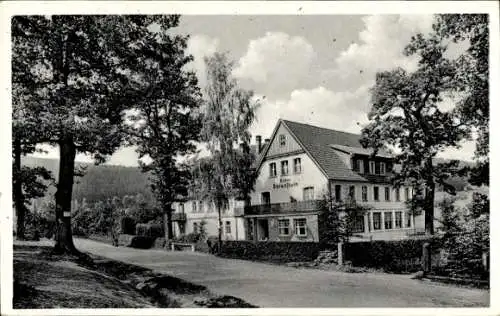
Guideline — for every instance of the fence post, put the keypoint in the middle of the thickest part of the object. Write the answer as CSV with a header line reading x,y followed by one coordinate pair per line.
x,y
426,258
340,253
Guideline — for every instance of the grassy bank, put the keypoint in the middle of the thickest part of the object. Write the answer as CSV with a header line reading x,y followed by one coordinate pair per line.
x,y
45,280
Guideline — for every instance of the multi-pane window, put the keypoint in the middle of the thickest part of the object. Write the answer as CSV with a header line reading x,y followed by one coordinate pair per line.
x,y
408,220
200,207
372,167
308,193
382,168
359,224
364,193
375,194
194,206
360,166
297,167
387,193
388,220
398,220
377,221
284,167
352,192
300,226
195,227
284,227
272,170
282,140
228,227
398,194
181,207
407,194
338,193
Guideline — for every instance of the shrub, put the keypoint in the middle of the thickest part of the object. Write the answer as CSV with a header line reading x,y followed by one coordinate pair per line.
x,y
392,256
270,250
127,225
142,242
149,230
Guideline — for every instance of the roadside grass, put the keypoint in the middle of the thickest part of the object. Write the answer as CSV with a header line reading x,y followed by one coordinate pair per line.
x,y
45,280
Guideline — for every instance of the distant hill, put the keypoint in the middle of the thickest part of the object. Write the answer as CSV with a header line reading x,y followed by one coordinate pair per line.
x,y
100,182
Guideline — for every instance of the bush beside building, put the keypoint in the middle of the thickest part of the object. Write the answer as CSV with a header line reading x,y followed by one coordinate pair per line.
x,y
270,251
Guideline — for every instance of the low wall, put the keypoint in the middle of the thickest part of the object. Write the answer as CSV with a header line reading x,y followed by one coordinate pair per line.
x,y
270,251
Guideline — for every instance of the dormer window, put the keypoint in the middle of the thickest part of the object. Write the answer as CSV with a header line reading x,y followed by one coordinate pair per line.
x,y
360,166
282,140
382,168
372,167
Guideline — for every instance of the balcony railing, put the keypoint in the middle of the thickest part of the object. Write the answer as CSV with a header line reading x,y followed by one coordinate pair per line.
x,y
178,217
281,208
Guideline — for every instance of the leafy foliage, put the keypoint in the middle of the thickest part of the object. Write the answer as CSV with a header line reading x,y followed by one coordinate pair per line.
x,y
79,74
406,115
338,221
164,124
465,233
228,113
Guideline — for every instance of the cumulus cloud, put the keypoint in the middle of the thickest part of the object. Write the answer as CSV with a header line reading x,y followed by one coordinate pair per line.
x,y
318,106
277,60
381,43
201,46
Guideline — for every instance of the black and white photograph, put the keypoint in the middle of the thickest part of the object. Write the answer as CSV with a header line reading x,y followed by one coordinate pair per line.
x,y
248,156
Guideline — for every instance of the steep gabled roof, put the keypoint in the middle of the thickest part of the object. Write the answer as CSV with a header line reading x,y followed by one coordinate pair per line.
x,y
316,141
361,151
322,145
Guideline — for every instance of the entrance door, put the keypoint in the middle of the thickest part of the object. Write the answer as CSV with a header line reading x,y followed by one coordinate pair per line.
x,y
263,227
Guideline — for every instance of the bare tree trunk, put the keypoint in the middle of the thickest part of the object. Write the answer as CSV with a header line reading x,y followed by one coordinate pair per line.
x,y
17,186
169,233
63,235
429,199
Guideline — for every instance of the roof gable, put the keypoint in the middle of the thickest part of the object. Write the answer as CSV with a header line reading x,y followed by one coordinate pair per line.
x,y
322,146
316,141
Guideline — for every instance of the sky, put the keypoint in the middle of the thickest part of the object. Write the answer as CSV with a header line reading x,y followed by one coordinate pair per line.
x,y
311,69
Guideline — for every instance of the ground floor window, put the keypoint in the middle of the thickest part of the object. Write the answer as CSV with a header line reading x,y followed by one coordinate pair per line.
x,y
195,228
408,220
388,220
398,220
228,227
284,227
359,224
300,226
377,221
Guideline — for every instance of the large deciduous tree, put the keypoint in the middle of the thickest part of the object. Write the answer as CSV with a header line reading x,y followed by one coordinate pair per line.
x,y
471,80
228,112
406,114
74,73
165,124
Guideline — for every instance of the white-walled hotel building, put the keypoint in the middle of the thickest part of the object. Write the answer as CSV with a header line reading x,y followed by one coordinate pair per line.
x,y
297,167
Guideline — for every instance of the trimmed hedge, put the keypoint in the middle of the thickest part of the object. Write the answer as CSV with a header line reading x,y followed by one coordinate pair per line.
x,y
142,242
149,230
392,256
127,225
273,251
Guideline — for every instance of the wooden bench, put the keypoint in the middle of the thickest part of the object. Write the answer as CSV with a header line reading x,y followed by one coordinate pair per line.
x,y
181,245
